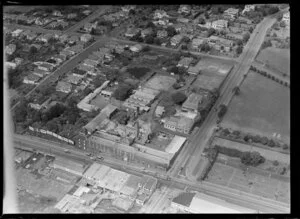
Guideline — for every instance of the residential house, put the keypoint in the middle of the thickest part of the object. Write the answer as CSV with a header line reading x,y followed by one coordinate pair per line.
x,y
141,199
159,111
86,37
234,36
31,79
196,42
185,62
163,22
162,34
175,40
86,12
148,185
62,24
16,32
39,104
31,19
192,103
90,62
194,70
73,39
31,36
57,13
39,72
182,20
231,13
219,24
74,79
184,9
136,48
18,61
22,17
85,68
59,58
286,18
179,123
248,8
10,49
45,38
71,15
146,32
132,32
12,65
158,14
64,87
46,67
244,20
89,26
66,53
63,38
75,49
127,8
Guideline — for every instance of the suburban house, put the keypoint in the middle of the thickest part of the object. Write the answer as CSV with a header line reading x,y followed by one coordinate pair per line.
x,y
73,79
86,12
63,38
71,15
178,123
89,26
73,39
192,103
57,13
182,20
148,185
136,48
59,58
146,32
231,13
196,42
64,87
45,38
132,32
127,8
159,111
12,65
194,70
10,49
162,34
31,79
184,9
158,14
40,73
46,67
175,40
219,24
185,62
39,104
286,18
248,8
16,32
163,22
86,37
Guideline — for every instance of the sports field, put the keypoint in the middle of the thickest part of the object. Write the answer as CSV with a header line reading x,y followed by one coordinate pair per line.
x,y
278,59
262,107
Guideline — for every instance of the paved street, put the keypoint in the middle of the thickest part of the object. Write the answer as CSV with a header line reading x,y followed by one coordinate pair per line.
x,y
250,200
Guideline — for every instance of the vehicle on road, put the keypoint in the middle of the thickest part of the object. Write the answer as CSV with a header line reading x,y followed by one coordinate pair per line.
x,y
100,158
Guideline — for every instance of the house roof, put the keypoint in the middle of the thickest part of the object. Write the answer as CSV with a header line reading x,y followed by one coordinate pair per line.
x,y
184,199
62,85
186,61
175,144
32,77
192,101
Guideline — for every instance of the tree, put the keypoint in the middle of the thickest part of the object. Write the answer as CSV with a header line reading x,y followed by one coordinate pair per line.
x,y
149,39
285,147
52,126
131,12
206,15
21,112
275,163
236,90
201,20
122,92
251,29
157,41
150,24
236,133
222,111
239,42
179,97
264,140
246,37
225,132
239,50
271,143
205,47
210,32
171,31
272,10
252,158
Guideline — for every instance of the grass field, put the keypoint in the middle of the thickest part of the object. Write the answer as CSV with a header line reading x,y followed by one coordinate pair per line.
x,y
99,101
160,82
138,72
249,182
276,58
263,107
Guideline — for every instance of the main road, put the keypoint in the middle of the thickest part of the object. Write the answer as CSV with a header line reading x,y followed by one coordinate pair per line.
x,y
249,201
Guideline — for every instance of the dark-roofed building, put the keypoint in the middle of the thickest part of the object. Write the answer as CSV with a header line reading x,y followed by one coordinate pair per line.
x,y
64,87
192,102
183,201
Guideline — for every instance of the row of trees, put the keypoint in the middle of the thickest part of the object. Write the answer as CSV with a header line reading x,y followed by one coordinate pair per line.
x,y
272,77
249,158
252,138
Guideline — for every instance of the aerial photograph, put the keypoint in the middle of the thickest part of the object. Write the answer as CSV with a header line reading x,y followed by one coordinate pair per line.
x,y
142,109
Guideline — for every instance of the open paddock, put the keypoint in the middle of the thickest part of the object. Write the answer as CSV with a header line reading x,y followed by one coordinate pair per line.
x,y
262,107
99,101
250,182
208,81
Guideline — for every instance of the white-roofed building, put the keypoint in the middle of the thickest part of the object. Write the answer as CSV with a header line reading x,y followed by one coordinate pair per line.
x,y
219,24
175,145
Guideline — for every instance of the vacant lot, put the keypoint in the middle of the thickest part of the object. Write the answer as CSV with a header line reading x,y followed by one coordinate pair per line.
x,y
250,182
138,72
278,59
262,107
160,82
99,101
208,81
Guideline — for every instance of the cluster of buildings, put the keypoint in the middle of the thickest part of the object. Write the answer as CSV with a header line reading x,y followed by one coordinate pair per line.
x,y
286,18
125,190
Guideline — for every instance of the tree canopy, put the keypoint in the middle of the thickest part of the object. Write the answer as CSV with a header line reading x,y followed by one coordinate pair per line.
x,y
179,97
122,92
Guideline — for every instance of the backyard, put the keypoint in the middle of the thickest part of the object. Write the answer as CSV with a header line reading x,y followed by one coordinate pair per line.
x,y
262,107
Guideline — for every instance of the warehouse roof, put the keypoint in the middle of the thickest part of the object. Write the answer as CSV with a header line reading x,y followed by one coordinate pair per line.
x,y
184,199
175,144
